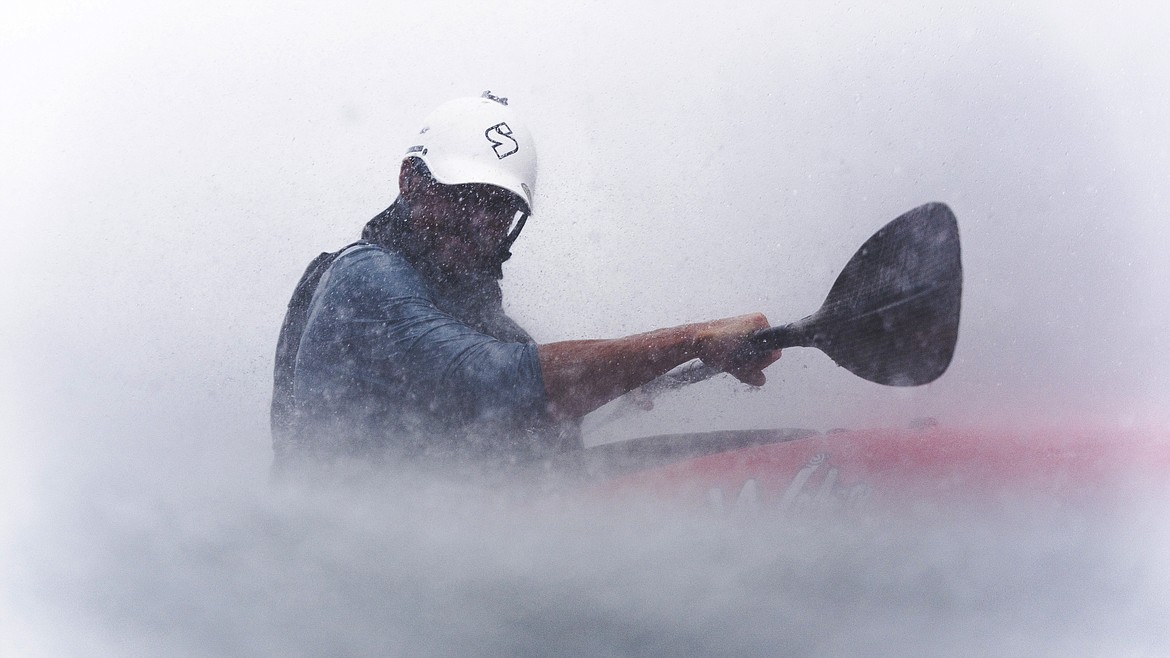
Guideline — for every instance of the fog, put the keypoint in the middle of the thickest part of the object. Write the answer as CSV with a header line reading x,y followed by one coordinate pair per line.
x,y
167,173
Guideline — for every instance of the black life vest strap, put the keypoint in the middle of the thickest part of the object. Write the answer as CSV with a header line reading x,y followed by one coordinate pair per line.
x,y
291,330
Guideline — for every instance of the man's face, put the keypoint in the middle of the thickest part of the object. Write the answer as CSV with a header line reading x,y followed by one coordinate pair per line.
x,y
463,227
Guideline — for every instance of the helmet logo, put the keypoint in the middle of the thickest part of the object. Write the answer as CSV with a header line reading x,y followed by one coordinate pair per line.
x,y
500,135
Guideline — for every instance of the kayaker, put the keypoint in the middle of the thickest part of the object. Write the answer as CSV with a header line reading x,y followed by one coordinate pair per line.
x,y
398,346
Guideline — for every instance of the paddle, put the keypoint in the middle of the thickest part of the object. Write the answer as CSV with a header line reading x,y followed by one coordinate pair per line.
x,y
892,316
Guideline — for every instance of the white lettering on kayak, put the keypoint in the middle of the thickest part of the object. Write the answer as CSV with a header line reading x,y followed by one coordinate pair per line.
x,y
803,493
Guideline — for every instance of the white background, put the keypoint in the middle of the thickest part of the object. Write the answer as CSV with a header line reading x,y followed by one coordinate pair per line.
x,y
167,171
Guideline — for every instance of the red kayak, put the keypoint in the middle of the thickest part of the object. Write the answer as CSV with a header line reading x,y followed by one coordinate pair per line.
x,y
793,470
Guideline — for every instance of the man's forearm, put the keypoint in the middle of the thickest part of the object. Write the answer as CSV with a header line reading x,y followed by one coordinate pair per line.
x,y
582,375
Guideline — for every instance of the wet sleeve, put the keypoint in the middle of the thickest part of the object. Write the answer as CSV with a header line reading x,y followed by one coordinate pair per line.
x,y
402,343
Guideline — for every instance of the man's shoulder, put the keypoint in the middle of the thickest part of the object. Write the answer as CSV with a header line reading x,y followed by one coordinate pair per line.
x,y
366,255
371,265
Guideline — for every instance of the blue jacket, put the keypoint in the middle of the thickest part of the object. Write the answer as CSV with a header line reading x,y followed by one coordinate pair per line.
x,y
390,365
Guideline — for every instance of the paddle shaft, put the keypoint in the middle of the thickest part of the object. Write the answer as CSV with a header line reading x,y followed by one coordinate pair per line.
x,y
776,338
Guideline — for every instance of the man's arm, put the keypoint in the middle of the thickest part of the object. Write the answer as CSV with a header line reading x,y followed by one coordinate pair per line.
x,y
581,375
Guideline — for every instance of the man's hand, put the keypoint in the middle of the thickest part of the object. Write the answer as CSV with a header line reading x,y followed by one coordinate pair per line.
x,y
726,344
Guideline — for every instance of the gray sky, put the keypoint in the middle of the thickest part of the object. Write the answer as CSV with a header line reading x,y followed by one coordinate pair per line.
x,y
168,173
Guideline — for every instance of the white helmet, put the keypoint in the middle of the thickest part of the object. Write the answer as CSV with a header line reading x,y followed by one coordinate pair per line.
x,y
478,140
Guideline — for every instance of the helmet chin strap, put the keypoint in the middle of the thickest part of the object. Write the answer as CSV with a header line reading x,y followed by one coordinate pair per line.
x,y
505,249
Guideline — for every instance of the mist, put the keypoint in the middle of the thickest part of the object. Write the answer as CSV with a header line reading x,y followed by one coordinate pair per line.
x,y
169,172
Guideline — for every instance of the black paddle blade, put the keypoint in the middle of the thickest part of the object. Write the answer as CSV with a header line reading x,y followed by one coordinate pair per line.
x,y
892,316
